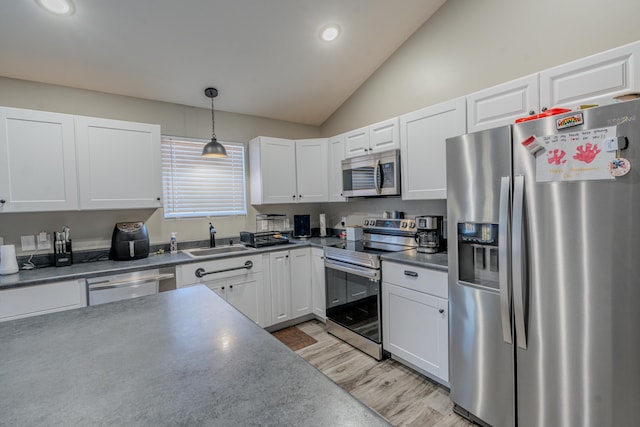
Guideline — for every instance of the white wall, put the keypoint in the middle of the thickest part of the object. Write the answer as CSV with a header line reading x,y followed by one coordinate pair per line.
x,y
470,45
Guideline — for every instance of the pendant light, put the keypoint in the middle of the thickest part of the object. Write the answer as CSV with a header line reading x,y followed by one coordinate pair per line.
x,y
213,147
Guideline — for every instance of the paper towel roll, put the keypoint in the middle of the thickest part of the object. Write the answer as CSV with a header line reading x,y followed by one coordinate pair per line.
x,y
8,262
323,225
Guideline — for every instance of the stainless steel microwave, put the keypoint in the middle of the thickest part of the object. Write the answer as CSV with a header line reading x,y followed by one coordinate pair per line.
x,y
372,175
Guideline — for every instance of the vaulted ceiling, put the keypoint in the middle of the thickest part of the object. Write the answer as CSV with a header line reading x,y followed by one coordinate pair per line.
x,y
264,56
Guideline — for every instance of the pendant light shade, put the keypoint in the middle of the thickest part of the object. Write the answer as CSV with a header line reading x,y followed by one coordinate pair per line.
x,y
213,148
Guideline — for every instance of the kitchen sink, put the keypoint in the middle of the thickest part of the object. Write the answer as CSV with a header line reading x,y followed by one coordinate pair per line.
x,y
205,252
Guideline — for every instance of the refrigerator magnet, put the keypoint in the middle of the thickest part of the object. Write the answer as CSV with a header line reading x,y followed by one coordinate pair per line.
x,y
532,145
619,166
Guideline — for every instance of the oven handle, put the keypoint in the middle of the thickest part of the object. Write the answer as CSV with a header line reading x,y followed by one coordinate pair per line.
x,y
369,273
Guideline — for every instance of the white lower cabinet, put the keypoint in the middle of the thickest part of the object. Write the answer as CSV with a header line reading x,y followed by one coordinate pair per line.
x,y
41,299
318,294
241,287
415,318
290,275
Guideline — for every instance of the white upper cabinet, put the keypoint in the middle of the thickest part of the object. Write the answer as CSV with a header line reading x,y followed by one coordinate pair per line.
x,y
503,104
272,170
119,164
382,136
336,156
356,142
591,80
286,171
423,134
54,162
311,170
37,161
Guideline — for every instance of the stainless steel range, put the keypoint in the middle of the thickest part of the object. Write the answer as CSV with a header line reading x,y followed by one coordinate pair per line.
x,y
353,280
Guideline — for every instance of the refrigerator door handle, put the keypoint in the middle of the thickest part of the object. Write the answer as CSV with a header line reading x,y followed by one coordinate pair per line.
x,y
503,259
518,261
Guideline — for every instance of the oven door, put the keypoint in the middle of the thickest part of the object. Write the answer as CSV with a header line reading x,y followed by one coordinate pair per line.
x,y
353,298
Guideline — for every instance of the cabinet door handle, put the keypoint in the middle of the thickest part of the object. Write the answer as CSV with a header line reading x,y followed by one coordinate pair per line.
x,y
230,286
410,273
222,288
441,311
2,201
294,196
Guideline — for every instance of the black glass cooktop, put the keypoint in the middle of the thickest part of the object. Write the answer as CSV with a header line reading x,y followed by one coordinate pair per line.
x,y
370,247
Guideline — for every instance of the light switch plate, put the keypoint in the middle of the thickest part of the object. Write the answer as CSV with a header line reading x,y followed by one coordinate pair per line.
x,y
28,243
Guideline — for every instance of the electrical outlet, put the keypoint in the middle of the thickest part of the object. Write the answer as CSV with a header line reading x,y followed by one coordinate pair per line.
x,y
44,241
28,243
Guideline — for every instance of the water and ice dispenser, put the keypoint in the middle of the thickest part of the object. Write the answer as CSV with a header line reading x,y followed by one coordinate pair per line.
x,y
478,254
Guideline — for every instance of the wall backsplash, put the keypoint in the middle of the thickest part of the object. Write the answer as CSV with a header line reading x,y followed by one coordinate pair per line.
x,y
92,229
356,209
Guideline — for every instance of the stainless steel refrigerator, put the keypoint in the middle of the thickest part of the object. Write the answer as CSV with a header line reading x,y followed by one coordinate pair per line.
x,y
544,270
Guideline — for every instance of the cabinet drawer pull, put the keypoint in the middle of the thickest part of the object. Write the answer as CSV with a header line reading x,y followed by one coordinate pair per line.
x,y
410,273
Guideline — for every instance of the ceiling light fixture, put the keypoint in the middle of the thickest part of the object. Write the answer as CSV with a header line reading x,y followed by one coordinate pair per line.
x,y
330,32
213,147
58,7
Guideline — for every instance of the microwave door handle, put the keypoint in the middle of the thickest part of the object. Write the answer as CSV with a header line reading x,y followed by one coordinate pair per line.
x,y
376,177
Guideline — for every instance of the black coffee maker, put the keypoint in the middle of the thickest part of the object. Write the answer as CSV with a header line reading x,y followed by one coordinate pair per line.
x,y
130,240
430,234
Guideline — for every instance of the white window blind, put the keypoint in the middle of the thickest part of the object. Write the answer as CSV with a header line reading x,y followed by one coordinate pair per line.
x,y
196,186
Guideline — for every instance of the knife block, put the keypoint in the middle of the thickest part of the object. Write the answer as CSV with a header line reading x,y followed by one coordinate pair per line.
x,y
63,259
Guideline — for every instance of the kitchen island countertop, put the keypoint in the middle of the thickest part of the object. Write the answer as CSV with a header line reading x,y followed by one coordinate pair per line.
x,y
177,358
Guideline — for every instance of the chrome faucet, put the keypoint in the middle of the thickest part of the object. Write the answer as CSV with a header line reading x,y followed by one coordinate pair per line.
x,y
212,236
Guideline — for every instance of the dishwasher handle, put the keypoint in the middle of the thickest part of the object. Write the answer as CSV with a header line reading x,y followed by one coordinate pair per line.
x,y
107,284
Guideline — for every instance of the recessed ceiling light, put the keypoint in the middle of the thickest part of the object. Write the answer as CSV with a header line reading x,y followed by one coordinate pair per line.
x,y
59,7
330,32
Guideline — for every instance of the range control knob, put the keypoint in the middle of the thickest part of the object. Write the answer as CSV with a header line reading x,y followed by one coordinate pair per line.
x,y
412,224
403,224
366,222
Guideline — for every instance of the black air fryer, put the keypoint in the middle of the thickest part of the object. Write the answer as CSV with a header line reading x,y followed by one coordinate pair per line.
x,y
130,240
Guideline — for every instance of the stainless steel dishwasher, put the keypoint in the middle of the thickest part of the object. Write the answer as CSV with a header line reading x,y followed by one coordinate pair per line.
x,y
118,287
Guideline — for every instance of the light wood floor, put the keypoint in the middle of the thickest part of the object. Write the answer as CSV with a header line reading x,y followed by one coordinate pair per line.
x,y
401,395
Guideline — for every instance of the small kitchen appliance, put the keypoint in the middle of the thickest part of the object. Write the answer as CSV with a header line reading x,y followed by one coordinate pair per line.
x,y
302,226
8,262
372,175
430,234
130,240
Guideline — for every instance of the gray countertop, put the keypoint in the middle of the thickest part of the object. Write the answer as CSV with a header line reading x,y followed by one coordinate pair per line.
x,y
183,357
437,261
102,268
